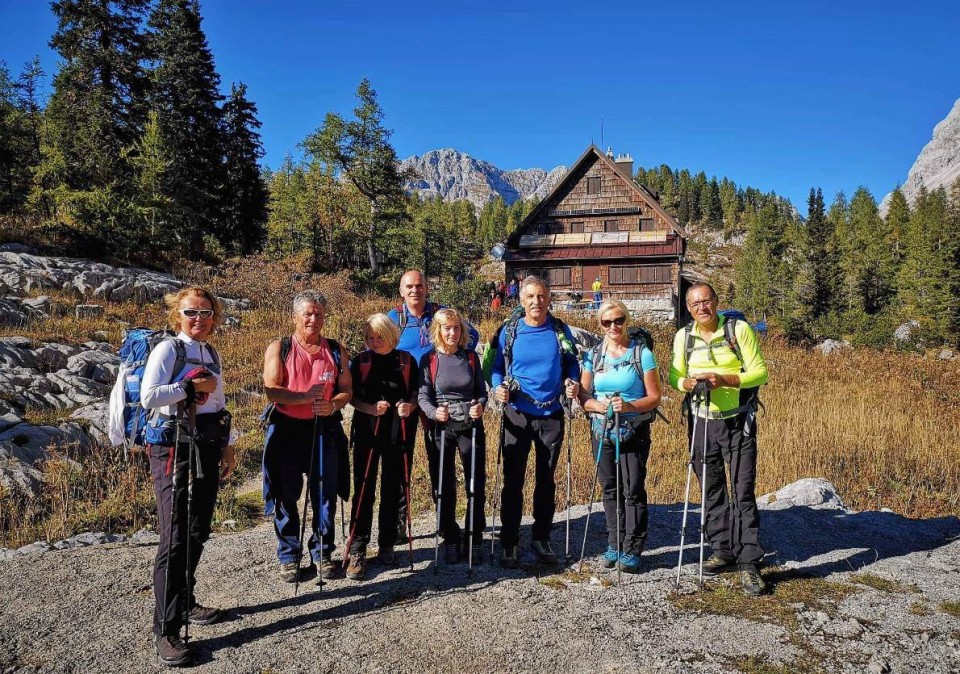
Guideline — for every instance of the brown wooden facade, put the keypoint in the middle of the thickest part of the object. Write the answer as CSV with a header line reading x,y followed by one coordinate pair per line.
x,y
598,222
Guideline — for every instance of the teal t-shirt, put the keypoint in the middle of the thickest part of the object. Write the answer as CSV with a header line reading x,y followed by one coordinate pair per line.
x,y
619,374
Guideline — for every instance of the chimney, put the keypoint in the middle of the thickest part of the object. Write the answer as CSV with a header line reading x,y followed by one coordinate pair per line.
x,y
624,164
609,152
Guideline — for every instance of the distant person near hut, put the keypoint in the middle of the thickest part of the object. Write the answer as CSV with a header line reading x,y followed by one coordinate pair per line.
x,y
720,358
597,287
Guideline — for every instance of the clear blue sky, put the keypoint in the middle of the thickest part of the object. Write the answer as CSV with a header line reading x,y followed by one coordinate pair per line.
x,y
832,94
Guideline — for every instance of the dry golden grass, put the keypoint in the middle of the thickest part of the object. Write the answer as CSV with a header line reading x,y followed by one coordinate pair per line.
x,y
876,424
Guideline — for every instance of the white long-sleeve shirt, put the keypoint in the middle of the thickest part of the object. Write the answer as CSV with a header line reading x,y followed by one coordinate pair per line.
x,y
155,389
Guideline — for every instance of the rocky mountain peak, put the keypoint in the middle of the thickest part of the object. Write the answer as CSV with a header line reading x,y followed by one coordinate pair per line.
x,y
939,161
451,174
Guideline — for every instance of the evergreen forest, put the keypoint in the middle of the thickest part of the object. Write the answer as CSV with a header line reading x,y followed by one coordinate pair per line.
x,y
134,150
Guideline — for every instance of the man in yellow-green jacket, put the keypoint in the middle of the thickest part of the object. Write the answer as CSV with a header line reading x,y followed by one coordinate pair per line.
x,y
724,354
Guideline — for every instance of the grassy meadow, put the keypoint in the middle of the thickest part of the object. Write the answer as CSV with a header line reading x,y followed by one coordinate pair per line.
x,y
881,426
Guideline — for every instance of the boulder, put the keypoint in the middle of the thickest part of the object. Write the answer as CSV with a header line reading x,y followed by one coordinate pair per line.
x,y
904,333
832,345
89,310
946,354
810,491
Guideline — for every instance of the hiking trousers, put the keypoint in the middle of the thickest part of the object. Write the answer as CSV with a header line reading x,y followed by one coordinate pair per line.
x,y
733,519
459,442
520,431
392,486
286,459
633,493
172,517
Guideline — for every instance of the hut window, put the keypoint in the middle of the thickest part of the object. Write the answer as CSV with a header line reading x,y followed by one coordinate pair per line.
x,y
557,276
611,226
576,228
593,185
623,275
648,225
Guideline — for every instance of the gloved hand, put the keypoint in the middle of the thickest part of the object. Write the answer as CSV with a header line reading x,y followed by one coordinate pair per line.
x,y
193,395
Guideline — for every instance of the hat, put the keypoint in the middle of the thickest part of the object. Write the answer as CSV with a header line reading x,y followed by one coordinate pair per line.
x,y
598,278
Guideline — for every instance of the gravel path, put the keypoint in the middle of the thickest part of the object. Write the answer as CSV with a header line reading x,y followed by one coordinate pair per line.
x,y
88,609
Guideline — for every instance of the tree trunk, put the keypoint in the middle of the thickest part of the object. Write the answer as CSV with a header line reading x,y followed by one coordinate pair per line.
x,y
371,252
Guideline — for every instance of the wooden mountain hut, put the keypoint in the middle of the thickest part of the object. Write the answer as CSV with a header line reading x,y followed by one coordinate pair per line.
x,y
599,223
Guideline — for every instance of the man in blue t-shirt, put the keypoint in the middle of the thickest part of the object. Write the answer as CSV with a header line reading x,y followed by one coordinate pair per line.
x,y
414,317
531,382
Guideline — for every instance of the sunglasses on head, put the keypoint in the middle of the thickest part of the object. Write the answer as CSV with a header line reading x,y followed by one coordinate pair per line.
x,y
619,320
193,313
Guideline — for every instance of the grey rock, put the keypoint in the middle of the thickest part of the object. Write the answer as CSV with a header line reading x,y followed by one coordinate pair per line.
x,y
450,174
832,346
39,547
904,332
145,537
810,491
39,305
946,354
938,163
89,310
232,322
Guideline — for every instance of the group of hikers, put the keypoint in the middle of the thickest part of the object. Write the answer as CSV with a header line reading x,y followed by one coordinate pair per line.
x,y
420,368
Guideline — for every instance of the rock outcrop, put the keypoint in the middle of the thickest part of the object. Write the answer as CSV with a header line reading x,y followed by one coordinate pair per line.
x,y
939,161
451,175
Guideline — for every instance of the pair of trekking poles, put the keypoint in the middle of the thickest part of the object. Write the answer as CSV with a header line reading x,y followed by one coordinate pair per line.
x,y
355,518
471,495
193,460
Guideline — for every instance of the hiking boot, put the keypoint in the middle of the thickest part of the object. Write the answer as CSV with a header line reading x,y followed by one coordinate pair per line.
x,y
544,552
511,557
326,569
478,552
386,555
718,564
202,615
629,563
608,560
451,553
753,584
357,565
172,651
289,571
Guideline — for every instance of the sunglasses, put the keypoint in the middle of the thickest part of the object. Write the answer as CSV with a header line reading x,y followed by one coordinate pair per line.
x,y
193,313
619,320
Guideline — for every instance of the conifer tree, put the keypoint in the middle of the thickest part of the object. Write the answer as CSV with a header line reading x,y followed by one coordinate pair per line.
x,y
897,222
185,93
94,112
816,267
359,150
244,207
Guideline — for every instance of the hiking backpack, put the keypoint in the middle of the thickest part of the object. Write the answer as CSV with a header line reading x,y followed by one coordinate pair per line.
x,y
433,362
731,317
364,363
138,344
639,337
286,344
430,309
512,324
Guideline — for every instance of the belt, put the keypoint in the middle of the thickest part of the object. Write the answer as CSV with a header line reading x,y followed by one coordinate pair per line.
x,y
724,414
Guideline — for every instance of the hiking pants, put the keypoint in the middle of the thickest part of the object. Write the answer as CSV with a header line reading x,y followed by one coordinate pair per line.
x,y
546,435
633,493
733,520
459,442
286,459
393,483
172,600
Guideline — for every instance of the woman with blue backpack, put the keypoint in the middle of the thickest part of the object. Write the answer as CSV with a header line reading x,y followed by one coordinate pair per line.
x,y
620,389
188,440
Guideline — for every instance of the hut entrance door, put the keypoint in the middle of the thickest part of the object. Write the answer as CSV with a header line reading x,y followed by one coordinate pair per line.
x,y
590,274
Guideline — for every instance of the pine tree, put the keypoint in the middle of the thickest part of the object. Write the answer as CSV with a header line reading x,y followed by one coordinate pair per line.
x,y
244,207
816,269
185,93
897,222
95,111
359,150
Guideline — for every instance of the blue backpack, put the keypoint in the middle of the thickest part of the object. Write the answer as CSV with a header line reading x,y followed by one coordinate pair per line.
x,y
137,345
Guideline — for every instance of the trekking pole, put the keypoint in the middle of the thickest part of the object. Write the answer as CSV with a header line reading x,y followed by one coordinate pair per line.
x,y
686,498
616,458
173,511
593,488
406,485
568,409
356,511
703,483
319,508
306,501
472,496
496,485
194,469
436,535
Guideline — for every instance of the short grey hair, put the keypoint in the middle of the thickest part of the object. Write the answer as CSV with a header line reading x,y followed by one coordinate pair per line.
x,y
308,297
534,281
